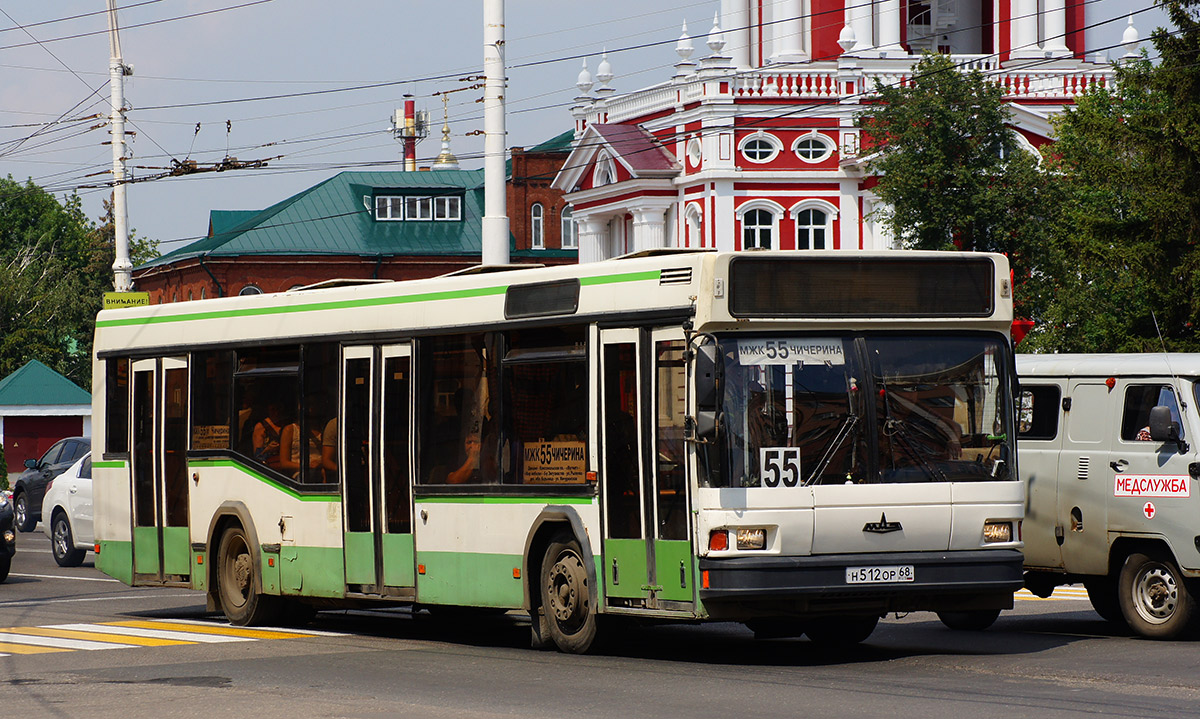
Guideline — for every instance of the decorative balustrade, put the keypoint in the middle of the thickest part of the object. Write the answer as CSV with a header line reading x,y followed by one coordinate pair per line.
x,y
832,84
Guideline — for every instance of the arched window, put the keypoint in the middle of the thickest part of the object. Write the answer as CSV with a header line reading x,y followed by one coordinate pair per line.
x,y
250,290
811,228
813,147
537,226
757,227
570,236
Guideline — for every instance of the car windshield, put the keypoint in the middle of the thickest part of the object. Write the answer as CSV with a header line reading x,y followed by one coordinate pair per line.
x,y
863,409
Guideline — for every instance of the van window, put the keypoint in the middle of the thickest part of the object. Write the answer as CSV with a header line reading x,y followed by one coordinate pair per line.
x,y
1139,400
1038,416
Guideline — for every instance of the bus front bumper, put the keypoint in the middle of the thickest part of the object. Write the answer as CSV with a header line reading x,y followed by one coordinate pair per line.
x,y
941,581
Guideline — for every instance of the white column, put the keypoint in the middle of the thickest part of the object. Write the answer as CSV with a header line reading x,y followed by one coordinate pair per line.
x,y
1023,30
593,238
495,205
889,27
735,19
788,31
861,12
1056,29
649,228
849,235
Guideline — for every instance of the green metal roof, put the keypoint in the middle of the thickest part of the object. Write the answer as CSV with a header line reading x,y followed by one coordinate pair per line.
x,y
559,143
224,220
37,384
336,217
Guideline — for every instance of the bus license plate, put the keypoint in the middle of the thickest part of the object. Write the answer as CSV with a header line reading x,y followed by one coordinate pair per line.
x,y
879,575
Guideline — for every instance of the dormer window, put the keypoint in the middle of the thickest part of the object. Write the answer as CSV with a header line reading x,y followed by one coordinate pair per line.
x,y
412,208
760,148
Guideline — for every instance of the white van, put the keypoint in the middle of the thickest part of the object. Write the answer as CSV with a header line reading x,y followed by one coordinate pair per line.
x,y
1106,447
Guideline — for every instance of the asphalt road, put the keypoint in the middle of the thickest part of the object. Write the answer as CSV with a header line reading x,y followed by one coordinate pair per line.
x,y
1051,658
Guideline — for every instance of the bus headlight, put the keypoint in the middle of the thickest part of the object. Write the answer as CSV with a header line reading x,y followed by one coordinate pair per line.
x,y
997,532
751,539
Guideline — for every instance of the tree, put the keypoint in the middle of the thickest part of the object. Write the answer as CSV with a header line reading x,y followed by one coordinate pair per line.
x,y
1122,271
951,173
55,266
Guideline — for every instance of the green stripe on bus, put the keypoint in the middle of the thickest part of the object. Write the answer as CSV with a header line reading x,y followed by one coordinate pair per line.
x,y
229,463
111,464
625,277
358,304
504,500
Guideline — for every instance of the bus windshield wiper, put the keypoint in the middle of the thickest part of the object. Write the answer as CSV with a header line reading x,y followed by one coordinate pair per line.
x,y
898,429
844,430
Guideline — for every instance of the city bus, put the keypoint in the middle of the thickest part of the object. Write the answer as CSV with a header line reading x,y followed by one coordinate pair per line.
x,y
800,441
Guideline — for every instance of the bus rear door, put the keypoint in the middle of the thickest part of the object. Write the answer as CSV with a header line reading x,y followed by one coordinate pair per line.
x,y
161,544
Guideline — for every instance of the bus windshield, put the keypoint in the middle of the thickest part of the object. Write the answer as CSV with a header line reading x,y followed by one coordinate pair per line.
x,y
858,409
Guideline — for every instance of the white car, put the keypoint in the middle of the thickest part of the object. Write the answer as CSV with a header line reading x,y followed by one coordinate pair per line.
x,y
67,513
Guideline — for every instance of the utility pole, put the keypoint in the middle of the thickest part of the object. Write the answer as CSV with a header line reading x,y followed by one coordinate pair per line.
x,y
117,70
495,206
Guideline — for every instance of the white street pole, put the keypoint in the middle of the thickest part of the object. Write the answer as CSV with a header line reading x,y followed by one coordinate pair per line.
x,y
122,267
495,206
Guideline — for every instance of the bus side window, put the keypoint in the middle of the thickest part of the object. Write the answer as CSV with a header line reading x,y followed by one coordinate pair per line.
x,y
1037,417
212,382
116,406
458,421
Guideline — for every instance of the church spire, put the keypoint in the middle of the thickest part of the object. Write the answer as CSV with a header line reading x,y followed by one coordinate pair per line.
x,y
446,160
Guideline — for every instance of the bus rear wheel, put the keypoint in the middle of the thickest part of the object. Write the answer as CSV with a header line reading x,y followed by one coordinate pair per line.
x,y
1154,599
235,582
566,596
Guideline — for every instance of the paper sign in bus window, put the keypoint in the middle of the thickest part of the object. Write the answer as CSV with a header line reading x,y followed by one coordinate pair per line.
x,y
554,462
791,350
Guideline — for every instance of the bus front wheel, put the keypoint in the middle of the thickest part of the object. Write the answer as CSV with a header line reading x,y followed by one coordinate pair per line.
x,y
975,620
235,582
1154,598
566,596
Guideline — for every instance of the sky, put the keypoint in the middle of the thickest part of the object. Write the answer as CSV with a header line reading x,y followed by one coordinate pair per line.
x,y
310,86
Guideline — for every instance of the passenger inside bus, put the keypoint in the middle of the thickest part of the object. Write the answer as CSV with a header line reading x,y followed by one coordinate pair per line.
x,y
268,433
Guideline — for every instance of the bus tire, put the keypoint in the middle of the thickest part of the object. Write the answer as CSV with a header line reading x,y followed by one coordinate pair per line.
x,y
975,620
1154,599
235,582
566,596
1102,593
840,631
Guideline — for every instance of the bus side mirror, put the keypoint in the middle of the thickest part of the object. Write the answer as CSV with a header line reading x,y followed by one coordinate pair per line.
x,y
706,425
707,379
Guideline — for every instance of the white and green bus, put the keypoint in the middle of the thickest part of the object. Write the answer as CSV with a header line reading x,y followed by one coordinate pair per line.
x,y
800,441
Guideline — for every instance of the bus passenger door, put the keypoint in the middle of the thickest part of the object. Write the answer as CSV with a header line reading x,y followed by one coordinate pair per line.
x,y
161,542
672,550
373,463
625,565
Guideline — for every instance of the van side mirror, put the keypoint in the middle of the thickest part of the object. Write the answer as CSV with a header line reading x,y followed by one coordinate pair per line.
x,y
1162,429
707,377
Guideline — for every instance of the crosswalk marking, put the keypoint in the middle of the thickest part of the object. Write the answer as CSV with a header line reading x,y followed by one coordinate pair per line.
x,y
1067,592
119,628
7,648
135,633
216,629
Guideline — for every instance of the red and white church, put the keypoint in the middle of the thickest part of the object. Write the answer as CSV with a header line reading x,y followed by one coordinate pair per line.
x,y
754,145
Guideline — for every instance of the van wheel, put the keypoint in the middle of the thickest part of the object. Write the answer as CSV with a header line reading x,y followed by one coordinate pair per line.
x,y
969,621
1154,599
235,583
1102,593
566,596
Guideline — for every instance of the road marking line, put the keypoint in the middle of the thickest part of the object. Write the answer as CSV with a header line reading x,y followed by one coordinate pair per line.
x,y
134,631
59,576
26,649
14,636
305,632
224,630
1060,593
121,598
99,635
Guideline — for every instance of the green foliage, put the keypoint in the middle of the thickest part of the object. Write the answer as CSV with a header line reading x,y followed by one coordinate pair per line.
x,y
953,175
1123,264
55,265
